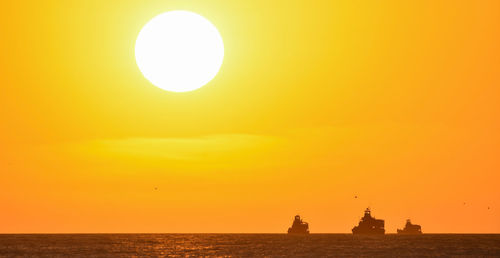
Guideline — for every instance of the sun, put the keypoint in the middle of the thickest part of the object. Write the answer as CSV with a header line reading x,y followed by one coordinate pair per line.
x,y
179,51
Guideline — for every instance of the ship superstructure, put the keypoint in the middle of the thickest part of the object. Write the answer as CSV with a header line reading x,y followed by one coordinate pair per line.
x,y
369,225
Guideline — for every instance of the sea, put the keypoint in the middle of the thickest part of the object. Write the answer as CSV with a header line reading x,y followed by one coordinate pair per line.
x,y
248,245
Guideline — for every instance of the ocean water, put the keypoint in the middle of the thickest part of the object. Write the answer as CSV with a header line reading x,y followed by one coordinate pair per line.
x,y
248,245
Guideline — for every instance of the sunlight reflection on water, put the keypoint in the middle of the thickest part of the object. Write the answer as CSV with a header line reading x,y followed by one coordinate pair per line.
x,y
238,245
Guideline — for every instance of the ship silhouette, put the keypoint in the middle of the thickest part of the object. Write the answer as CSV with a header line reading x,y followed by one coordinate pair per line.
x,y
368,225
298,227
410,229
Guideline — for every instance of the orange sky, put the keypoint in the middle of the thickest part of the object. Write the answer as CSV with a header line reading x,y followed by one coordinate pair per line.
x,y
397,102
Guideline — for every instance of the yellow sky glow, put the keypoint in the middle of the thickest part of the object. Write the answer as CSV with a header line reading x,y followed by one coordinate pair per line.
x,y
396,102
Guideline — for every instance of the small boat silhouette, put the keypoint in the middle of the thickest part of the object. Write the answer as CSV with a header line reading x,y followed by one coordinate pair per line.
x,y
298,227
410,229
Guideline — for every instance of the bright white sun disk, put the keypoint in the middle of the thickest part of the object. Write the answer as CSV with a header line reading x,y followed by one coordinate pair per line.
x,y
179,51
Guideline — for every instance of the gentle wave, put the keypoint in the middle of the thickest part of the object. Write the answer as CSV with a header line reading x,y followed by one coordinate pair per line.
x,y
249,245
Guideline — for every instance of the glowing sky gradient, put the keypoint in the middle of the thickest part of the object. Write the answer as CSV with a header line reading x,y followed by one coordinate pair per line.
x,y
397,102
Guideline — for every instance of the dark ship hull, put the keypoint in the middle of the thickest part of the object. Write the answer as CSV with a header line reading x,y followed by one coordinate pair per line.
x,y
298,233
356,231
406,232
